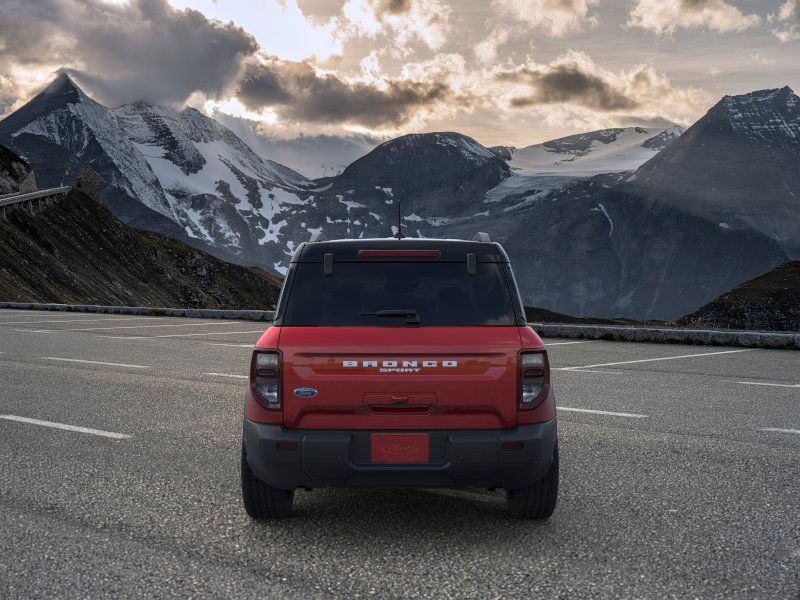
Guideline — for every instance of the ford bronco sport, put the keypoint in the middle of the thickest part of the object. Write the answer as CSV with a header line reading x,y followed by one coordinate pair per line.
x,y
400,363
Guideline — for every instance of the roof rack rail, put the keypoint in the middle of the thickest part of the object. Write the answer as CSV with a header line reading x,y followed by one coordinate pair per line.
x,y
317,236
482,237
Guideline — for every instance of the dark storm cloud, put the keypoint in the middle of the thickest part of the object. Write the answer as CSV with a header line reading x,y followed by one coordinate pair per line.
x,y
297,92
694,4
567,83
141,50
393,7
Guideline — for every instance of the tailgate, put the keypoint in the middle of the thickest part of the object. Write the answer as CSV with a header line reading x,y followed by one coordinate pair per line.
x,y
400,377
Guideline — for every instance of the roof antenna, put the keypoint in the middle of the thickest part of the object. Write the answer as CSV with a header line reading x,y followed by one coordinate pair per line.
x,y
399,222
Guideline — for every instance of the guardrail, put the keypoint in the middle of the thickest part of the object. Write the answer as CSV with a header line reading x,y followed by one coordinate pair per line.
x,y
7,200
672,335
197,313
663,335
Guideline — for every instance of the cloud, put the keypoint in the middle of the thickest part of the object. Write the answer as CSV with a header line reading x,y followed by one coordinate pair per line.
x,y
717,72
281,27
297,91
567,81
574,84
138,50
555,17
665,17
757,59
486,51
788,29
403,21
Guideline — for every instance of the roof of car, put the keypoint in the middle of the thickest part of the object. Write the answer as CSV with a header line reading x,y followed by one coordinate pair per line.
x,y
348,250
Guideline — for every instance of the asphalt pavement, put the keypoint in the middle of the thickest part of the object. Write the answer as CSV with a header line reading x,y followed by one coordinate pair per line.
x,y
119,458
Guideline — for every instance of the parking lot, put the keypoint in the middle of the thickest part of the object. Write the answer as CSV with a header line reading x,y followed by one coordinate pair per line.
x,y
119,454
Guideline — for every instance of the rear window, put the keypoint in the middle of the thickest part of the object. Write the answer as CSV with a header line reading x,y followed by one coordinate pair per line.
x,y
440,293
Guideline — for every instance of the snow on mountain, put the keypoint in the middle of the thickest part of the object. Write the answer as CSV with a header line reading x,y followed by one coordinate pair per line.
x,y
765,115
77,123
543,168
183,165
315,156
593,153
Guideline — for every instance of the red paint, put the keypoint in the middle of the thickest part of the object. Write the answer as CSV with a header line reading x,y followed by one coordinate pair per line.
x,y
479,392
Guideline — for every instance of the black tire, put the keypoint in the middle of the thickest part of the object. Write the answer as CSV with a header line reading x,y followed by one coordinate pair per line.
x,y
538,500
262,501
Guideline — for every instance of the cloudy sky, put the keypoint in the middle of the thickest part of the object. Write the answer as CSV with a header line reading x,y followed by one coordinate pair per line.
x,y
503,71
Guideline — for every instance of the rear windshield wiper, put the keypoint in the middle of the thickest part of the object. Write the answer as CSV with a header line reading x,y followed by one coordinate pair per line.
x,y
412,316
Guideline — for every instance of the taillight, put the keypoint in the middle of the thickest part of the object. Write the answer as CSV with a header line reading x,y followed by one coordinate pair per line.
x,y
265,378
534,377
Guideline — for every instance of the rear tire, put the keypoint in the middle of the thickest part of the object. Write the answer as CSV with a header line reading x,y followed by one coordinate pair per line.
x,y
538,500
262,501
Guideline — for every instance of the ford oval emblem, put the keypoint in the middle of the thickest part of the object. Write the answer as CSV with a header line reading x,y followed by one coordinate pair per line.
x,y
305,392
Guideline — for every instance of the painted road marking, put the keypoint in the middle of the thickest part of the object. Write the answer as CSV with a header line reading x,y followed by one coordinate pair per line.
x,y
229,345
779,430
228,375
140,327
601,412
645,360
100,432
95,362
194,334
547,344
786,385
590,371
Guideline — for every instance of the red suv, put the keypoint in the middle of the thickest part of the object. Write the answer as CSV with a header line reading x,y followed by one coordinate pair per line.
x,y
400,363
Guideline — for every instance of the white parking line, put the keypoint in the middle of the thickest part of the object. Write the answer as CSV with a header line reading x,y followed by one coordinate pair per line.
x,y
214,333
786,385
228,375
548,344
229,345
590,371
100,432
779,430
95,362
602,412
644,360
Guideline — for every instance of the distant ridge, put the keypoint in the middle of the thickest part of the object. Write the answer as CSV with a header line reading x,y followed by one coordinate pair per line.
x,y
768,302
76,252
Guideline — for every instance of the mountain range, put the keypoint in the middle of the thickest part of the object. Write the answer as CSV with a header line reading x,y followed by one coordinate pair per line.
x,y
632,222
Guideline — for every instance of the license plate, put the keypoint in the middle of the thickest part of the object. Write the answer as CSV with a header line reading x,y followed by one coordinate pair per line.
x,y
399,447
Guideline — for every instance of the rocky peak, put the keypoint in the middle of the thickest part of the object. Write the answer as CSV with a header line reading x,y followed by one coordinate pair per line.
x,y
772,114
64,87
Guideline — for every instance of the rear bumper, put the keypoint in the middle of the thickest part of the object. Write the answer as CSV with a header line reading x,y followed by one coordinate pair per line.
x,y
342,458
